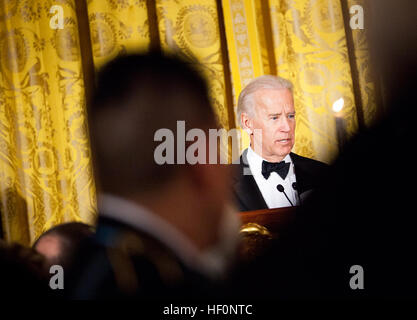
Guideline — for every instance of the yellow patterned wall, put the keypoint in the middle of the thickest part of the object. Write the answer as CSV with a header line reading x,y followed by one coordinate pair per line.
x,y
45,166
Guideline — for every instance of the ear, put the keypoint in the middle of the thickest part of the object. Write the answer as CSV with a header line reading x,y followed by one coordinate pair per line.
x,y
211,183
203,178
247,123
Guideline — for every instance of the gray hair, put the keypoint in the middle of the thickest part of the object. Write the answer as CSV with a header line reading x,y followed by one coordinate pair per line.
x,y
246,102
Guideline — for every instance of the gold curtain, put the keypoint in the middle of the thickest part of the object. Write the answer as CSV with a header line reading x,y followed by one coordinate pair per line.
x,y
45,167
192,28
117,27
45,77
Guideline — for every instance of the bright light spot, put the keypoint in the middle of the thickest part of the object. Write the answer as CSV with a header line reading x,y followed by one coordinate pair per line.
x,y
338,105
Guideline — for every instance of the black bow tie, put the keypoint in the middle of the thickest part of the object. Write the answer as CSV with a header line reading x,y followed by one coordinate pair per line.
x,y
281,168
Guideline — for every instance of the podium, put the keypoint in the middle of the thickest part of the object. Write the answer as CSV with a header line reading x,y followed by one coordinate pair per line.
x,y
260,227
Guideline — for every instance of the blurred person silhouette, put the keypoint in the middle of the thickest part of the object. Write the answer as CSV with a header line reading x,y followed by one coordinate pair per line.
x,y
164,230
364,213
22,273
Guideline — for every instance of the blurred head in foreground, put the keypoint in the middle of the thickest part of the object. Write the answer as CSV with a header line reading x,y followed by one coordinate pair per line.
x,y
59,244
145,103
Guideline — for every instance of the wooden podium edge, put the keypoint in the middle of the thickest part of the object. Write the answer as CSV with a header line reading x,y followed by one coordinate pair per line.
x,y
273,219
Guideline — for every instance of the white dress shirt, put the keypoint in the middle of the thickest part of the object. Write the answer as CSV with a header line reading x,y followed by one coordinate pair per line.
x,y
268,187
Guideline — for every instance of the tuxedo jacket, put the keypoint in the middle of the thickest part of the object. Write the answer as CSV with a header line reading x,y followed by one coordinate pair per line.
x,y
120,262
248,196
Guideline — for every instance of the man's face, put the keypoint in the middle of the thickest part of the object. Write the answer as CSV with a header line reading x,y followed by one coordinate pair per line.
x,y
275,117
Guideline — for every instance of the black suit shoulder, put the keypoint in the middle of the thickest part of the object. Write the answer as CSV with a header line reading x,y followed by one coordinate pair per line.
x,y
123,263
309,172
308,162
247,194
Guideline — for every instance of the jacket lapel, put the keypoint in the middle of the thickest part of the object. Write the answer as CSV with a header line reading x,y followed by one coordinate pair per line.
x,y
247,192
305,181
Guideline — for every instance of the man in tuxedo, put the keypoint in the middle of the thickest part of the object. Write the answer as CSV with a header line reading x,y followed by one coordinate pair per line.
x,y
163,230
363,214
270,175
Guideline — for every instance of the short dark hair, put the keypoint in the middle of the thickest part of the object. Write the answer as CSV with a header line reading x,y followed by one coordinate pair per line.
x,y
135,96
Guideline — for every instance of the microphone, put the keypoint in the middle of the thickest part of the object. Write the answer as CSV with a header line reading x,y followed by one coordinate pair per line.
x,y
281,189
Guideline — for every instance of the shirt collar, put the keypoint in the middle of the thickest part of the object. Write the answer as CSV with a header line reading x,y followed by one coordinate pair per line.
x,y
256,159
142,219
